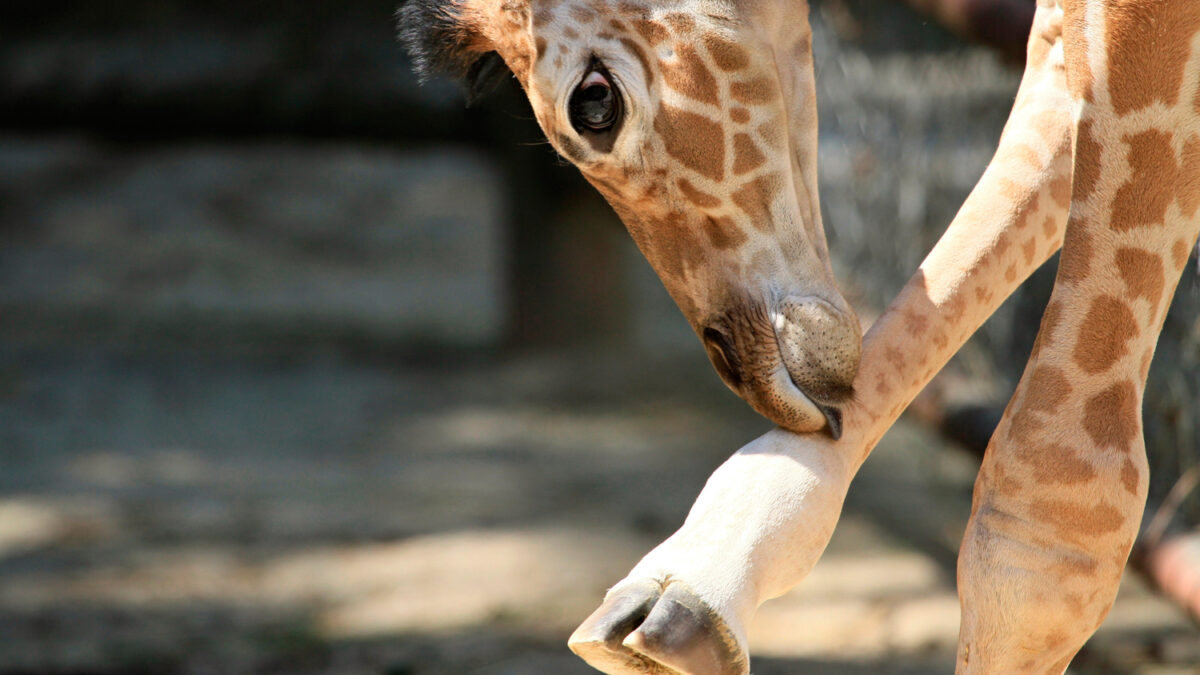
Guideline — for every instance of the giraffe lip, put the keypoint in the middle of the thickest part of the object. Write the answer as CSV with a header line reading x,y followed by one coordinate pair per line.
x,y
830,411
779,399
833,417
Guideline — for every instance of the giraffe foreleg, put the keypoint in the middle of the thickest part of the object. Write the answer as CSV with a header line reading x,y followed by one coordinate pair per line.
x,y
1060,494
765,516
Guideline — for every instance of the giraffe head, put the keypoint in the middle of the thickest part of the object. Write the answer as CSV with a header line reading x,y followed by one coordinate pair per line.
x,y
697,121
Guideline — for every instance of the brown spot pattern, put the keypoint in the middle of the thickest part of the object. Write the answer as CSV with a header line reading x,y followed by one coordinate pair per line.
x,y
1104,334
1087,161
955,307
1073,521
697,196
729,56
1076,258
1050,227
1050,125
1079,72
755,197
1148,49
1048,387
1028,155
1028,207
914,323
1110,418
1060,191
739,115
653,33
724,233
693,140
582,14
983,295
1143,200
687,75
758,91
746,155
1055,463
881,385
1180,252
1131,477
680,23
632,10
1002,244
1142,272
1189,178
1023,426
771,132
669,243
1050,321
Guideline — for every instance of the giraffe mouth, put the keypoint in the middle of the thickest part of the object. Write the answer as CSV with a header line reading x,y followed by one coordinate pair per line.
x,y
806,405
789,363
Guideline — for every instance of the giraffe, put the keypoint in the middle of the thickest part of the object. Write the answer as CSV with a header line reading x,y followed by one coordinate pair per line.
x,y
715,181
696,119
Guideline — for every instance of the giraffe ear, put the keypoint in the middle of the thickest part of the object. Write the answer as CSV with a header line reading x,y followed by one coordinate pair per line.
x,y
444,37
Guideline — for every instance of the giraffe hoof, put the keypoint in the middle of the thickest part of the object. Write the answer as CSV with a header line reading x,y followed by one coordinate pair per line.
x,y
644,628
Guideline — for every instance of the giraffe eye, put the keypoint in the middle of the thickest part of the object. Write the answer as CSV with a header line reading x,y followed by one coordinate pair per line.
x,y
595,105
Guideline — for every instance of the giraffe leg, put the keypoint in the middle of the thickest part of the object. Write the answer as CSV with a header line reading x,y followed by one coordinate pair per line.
x,y
765,516
1059,497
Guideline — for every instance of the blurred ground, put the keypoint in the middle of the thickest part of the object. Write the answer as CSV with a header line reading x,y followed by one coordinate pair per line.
x,y
237,514
306,370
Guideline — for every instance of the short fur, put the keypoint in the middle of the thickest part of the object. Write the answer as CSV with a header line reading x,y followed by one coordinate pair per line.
x,y
440,42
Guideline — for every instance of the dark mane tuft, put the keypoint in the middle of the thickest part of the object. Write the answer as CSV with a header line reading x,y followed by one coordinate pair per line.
x,y
441,42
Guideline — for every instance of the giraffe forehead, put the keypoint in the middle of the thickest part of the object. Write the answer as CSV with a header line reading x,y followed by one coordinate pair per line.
x,y
688,47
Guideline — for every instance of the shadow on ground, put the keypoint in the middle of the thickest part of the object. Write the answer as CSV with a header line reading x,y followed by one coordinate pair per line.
x,y
175,512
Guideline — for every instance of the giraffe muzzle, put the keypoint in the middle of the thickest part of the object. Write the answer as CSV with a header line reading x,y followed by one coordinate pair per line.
x,y
820,346
794,361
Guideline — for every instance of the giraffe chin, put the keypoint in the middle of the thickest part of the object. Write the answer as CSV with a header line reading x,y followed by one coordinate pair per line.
x,y
782,401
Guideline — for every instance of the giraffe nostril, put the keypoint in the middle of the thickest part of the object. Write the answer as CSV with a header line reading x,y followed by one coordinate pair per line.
x,y
723,356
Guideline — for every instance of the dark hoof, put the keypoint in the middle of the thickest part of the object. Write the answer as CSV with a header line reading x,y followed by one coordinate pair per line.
x,y
643,628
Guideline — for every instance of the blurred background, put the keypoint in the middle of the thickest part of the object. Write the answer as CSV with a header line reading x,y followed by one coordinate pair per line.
x,y
307,369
